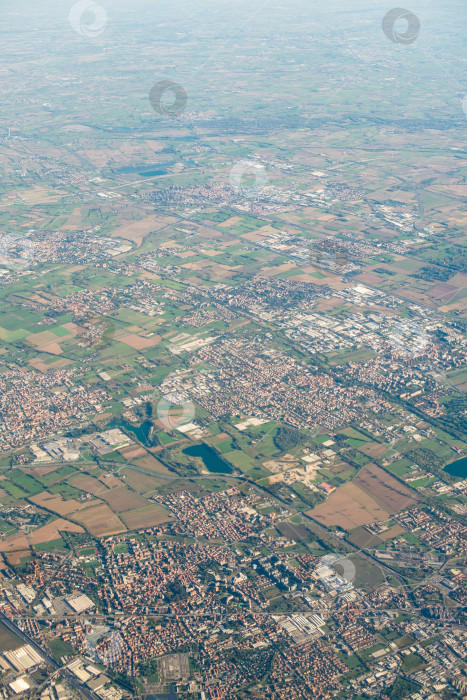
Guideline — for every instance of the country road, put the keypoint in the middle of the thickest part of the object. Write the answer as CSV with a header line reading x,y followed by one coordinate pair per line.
x,y
236,477
265,493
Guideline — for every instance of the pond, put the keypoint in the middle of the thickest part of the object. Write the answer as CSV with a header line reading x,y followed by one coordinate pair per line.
x,y
211,460
143,170
141,432
457,468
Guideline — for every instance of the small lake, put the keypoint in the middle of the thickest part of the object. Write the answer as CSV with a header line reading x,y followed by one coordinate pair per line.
x,y
144,171
152,173
141,432
457,468
211,460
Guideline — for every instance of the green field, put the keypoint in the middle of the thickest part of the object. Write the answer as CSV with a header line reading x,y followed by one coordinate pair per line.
x,y
8,640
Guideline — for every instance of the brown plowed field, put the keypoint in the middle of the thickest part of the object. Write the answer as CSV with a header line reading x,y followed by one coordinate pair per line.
x,y
122,499
133,452
141,482
150,462
99,520
89,484
393,495
373,495
57,503
153,515
349,507
42,534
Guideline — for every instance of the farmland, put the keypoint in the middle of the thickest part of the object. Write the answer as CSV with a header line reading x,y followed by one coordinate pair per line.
x,y
7,639
99,520
373,495
385,489
232,348
349,507
145,517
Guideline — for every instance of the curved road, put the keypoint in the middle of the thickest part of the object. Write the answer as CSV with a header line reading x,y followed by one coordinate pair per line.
x,y
265,493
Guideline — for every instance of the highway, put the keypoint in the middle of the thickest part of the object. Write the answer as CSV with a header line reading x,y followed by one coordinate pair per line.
x,y
64,672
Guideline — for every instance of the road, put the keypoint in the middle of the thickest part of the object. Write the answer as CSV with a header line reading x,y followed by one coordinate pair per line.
x,y
321,529
279,501
64,672
103,619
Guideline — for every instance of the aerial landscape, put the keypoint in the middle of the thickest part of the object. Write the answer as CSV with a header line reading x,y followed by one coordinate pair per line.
x,y
233,334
